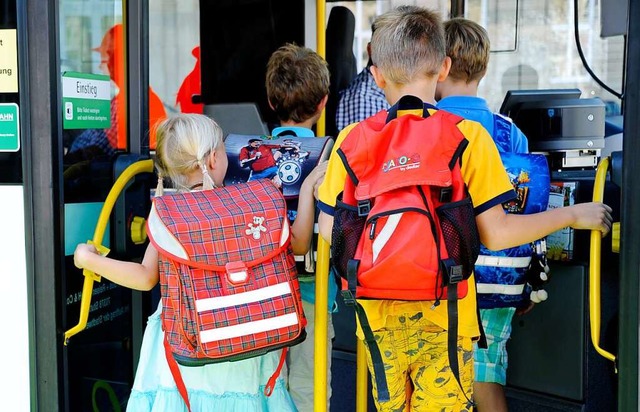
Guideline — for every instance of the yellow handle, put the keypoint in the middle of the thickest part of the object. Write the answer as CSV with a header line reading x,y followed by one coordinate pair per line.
x,y
320,338
362,375
321,35
594,265
143,166
322,263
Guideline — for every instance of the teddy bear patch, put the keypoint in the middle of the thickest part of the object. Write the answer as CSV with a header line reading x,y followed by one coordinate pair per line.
x,y
256,227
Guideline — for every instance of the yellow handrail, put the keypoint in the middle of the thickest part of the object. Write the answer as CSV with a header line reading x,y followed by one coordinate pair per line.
x,y
321,46
594,265
362,375
320,338
322,265
141,166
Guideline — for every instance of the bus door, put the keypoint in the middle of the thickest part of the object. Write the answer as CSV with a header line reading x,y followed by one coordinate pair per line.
x,y
104,126
14,305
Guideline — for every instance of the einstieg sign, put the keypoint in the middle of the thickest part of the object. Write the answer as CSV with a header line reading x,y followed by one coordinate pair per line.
x,y
9,127
86,101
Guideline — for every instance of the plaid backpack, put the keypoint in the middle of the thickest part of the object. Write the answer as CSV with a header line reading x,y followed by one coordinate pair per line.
x,y
227,275
404,228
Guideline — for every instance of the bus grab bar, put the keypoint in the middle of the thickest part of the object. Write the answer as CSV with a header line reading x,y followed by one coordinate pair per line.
x,y
142,166
594,266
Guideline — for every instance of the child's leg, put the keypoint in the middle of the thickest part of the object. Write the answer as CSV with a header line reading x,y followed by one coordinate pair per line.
x,y
392,342
435,387
490,364
300,362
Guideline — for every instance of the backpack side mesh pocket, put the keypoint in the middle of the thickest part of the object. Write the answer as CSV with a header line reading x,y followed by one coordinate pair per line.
x,y
345,235
458,224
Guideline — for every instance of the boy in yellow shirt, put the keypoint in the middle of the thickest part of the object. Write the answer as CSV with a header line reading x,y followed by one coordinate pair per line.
x,y
409,55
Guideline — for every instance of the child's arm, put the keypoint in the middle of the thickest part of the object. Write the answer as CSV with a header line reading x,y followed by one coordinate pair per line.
x,y
302,228
499,230
139,276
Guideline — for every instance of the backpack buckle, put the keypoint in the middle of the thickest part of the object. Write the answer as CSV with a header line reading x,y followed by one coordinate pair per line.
x,y
455,272
348,297
446,194
237,272
364,207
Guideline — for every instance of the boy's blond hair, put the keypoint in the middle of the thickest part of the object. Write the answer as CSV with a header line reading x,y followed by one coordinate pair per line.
x,y
408,43
297,81
468,47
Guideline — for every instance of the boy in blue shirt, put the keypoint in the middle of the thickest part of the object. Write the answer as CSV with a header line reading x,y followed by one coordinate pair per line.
x,y
297,85
467,44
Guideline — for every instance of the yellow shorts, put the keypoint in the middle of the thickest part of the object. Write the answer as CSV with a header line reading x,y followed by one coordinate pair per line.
x,y
414,353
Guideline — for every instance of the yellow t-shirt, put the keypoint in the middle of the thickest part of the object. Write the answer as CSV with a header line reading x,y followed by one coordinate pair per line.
x,y
488,185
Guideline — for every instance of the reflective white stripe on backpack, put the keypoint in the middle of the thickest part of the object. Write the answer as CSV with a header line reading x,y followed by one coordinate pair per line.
x,y
503,261
203,305
246,328
249,328
487,288
385,234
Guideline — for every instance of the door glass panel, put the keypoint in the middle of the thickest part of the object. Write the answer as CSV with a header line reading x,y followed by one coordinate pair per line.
x,y
99,361
174,56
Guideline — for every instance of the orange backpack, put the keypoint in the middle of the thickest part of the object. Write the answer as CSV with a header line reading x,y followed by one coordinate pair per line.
x,y
404,227
405,209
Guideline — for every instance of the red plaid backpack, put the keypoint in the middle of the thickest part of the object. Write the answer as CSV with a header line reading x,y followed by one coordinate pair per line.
x,y
404,227
227,274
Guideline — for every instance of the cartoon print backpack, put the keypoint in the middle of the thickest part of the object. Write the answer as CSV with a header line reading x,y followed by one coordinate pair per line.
x,y
404,228
502,277
296,152
227,273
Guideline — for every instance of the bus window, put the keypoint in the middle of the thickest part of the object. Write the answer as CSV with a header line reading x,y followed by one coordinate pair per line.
x,y
94,129
547,29
365,13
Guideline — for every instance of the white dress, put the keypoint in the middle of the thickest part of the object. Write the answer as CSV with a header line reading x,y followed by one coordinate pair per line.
x,y
220,387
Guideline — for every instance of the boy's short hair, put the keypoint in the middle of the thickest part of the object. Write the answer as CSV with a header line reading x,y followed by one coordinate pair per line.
x,y
408,42
297,81
468,46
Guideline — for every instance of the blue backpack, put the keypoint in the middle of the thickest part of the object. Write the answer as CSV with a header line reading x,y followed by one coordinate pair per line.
x,y
501,276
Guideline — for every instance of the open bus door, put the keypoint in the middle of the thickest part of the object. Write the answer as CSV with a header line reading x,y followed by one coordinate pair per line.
x,y
74,76
102,198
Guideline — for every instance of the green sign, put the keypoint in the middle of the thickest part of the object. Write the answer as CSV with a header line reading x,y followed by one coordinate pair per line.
x,y
86,101
9,128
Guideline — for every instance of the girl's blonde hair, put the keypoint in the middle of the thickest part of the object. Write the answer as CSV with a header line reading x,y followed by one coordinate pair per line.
x,y
183,143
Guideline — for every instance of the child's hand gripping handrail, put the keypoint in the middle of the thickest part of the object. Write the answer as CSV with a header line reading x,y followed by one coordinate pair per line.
x,y
142,166
594,265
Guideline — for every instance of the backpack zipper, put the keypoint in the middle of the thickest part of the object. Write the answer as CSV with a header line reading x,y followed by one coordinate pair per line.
x,y
372,231
373,220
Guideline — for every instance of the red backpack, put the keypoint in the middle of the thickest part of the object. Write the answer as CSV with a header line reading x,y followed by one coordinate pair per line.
x,y
227,274
404,227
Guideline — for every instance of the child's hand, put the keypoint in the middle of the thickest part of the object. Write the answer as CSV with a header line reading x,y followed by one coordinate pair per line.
x,y
83,250
317,174
592,216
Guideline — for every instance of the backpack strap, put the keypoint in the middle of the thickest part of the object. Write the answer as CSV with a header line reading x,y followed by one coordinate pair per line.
x,y
376,357
175,373
502,133
268,390
407,103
